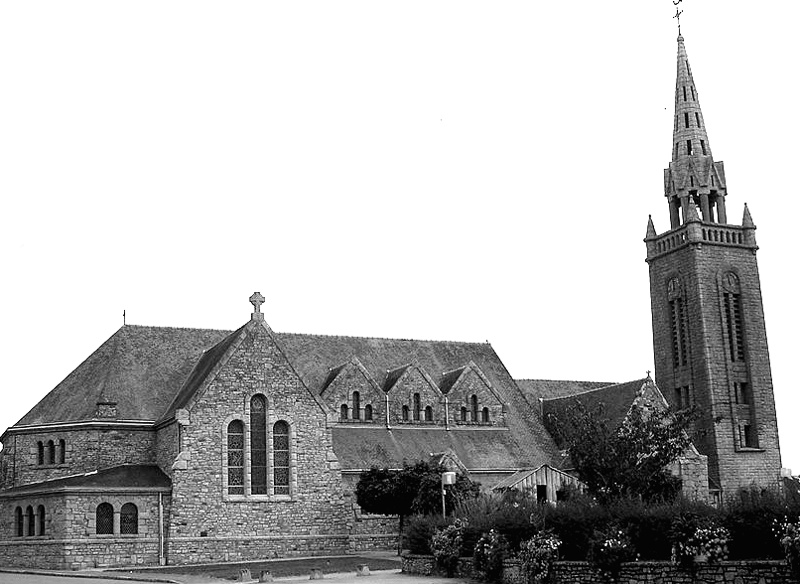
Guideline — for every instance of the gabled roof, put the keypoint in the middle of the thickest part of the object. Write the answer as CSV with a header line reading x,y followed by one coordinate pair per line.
x,y
510,482
551,388
616,401
139,367
124,477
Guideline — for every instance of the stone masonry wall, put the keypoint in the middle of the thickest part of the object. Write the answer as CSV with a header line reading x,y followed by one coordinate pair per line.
x,y
340,391
85,450
70,540
753,572
710,371
207,522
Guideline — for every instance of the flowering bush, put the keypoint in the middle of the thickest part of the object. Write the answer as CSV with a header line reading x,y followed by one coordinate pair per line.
x,y
446,545
537,555
789,535
695,540
609,549
490,551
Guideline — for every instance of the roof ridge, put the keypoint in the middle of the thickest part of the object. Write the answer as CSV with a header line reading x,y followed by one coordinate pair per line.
x,y
175,328
572,395
383,338
607,383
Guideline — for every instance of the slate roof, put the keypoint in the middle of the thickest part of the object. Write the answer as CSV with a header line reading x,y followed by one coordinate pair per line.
x,y
616,401
139,367
150,372
129,476
480,449
551,388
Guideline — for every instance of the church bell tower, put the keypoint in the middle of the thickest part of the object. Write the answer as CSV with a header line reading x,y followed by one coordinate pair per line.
x,y
709,338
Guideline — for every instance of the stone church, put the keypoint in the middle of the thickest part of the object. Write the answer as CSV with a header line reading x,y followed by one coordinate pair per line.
x,y
171,445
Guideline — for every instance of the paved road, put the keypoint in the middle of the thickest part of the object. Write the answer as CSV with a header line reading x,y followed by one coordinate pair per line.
x,y
381,577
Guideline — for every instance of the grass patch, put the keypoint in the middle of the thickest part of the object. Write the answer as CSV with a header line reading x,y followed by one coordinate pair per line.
x,y
280,568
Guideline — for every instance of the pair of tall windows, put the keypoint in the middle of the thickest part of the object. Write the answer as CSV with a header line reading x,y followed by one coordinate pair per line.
x,y
128,519
48,454
259,453
29,522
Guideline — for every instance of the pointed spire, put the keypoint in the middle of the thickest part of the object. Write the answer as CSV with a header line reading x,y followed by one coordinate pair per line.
x,y
689,135
747,220
692,173
651,229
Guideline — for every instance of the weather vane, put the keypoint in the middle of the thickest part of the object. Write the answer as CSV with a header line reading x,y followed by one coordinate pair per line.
x,y
678,13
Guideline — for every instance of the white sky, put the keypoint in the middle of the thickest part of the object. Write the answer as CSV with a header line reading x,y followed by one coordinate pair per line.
x,y
451,170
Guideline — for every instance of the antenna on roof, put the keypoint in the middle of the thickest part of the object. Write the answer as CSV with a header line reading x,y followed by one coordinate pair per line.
x,y
678,13
123,317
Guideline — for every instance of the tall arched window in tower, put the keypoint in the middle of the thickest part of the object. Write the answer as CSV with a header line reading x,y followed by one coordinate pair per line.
x,y
732,306
129,519
473,402
258,445
280,453
235,458
356,405
104,519
678,323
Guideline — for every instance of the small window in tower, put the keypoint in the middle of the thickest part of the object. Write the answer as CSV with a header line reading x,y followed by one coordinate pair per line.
x,y
694,97
697,118
703,147
689,147
712,180
691,181
748,436
686,119
684,93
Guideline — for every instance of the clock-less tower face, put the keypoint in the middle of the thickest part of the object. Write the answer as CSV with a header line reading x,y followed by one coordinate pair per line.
x,y
709,336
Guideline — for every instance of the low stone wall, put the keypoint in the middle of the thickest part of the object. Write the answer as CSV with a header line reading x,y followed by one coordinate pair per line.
x,y
78,554
370,533
752,572
197,550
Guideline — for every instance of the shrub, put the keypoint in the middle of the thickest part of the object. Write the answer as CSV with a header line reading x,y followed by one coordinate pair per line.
x,y
789,536
419,530
609,550
490,551
446,546
537,556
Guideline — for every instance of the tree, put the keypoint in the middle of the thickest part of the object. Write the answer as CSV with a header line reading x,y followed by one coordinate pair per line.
x,y
416,488
628,460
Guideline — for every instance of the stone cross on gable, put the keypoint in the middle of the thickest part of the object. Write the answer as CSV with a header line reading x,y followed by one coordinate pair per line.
x,y
257,300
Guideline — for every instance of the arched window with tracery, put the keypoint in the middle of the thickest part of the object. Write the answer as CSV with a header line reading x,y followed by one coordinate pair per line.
x,y
473,402
40,520
51,452
356,405
30,520
280,453
129,519
104,519
258,445
19,522
62,447
236,458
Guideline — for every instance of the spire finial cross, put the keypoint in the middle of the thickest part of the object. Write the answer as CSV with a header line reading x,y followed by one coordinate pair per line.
x,y
257,300
678,13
